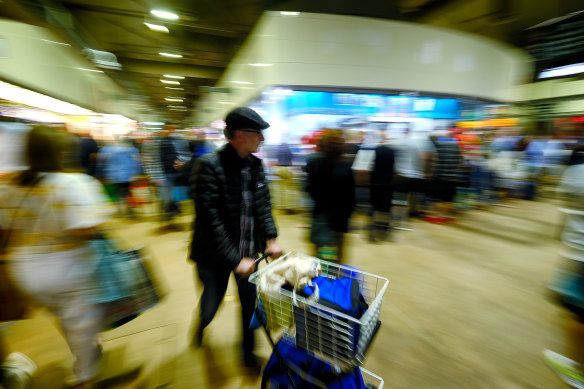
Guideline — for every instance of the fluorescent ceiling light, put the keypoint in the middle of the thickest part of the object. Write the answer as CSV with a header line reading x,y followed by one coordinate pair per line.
x,y
162,80
154,128
91,70
164,14
567,70
156,27
153,123
173,99
55,42
24,96
289,13
172,76
177,106
170,55
242,82
260,64
173,88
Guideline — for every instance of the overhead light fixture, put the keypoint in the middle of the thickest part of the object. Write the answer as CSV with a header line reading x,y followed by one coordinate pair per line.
x,y
242,82
289,13
171,55
567,70
173,99
260,64
153,123
164,14
177,106
55,42
91,70
172,76
33,99
162,80
173,88
157,27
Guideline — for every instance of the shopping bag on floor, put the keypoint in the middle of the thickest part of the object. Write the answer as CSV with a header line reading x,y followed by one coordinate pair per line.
x,y
126,283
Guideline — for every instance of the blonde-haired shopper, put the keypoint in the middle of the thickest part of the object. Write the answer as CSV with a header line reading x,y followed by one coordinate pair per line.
x,y
50,215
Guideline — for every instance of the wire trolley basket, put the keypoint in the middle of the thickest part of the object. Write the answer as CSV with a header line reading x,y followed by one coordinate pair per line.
x,y
371,381
329,334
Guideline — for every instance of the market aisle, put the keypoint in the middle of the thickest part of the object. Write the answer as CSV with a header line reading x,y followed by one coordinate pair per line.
x,y
466,308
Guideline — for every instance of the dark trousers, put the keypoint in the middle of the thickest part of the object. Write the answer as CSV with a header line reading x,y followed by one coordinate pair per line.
x,y
381,197
215,280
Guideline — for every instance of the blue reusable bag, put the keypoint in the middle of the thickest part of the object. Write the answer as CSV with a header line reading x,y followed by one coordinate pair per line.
x,y
342,294
111,282
326,331
277,375
123,283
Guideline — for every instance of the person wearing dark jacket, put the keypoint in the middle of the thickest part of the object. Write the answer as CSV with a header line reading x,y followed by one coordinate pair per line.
x,y
233,221
331,185
381,192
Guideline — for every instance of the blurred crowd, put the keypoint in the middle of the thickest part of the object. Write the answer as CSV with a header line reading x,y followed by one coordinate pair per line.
x,y
75,183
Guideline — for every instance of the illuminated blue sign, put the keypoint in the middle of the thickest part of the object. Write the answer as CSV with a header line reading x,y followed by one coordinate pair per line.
x,y
358,104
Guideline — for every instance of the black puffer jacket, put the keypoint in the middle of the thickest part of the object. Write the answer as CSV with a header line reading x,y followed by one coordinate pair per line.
x,y
216,189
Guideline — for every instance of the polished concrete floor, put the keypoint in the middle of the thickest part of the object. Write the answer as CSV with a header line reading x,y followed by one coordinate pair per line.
x,y
466,308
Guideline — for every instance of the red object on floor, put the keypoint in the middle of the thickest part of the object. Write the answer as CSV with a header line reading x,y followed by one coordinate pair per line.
x,y
436,219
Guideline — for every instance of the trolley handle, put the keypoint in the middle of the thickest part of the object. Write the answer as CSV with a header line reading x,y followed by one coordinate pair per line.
x,y
263,257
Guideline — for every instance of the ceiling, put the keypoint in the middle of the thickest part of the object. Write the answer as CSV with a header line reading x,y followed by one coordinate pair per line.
x,y
208,33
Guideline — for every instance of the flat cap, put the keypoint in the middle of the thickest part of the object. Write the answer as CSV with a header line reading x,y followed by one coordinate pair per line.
x,y
244,117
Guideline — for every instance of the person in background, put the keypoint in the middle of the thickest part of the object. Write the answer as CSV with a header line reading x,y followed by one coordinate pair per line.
x,y
285,185
381,192
88,153
153,168
571,369
331,185
198,146
445,175
411,154
233,221
119,164
51,215
171,163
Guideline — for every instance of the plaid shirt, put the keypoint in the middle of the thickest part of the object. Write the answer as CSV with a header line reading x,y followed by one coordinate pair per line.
x,y
246,224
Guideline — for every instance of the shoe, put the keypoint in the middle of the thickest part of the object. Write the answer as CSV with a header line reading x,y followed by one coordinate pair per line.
x,y
17,371
569,371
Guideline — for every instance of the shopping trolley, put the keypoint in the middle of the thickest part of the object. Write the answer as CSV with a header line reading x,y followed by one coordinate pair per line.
x,y
330,335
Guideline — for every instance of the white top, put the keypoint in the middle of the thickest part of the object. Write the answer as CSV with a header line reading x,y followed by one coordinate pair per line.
x,y
58,203
408,156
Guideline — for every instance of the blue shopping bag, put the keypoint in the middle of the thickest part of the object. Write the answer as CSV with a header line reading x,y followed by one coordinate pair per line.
x,y
277,373
124,282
